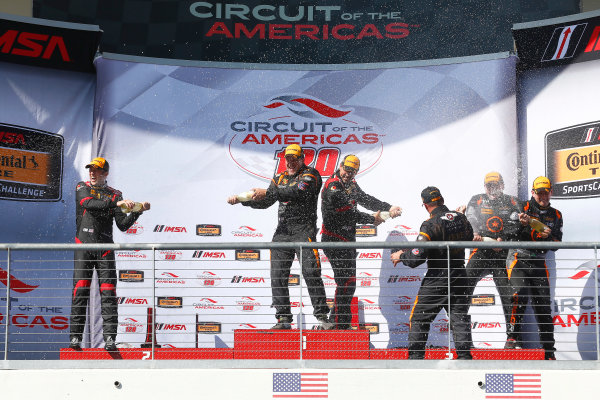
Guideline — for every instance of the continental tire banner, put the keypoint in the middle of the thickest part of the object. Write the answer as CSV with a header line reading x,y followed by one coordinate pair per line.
x,y
187,137
45,140
559,125
51,44
303,31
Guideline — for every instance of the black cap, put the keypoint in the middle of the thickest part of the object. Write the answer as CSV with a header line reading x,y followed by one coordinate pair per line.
x,y
431,194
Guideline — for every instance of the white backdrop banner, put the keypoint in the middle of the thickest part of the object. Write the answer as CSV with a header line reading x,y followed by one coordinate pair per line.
x,y
185,138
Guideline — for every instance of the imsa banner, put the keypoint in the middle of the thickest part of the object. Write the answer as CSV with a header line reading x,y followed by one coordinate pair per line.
x,y
559,126
187,137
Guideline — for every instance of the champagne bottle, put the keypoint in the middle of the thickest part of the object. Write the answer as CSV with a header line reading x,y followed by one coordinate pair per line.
x,y
537,225
384,215
245,196
137,207
488,239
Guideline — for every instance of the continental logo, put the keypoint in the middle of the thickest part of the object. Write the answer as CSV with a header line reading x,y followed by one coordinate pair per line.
x,y
483,300
169,302
366,230
31,164
247,255
208,327
208,230
131,276
573,161
294,280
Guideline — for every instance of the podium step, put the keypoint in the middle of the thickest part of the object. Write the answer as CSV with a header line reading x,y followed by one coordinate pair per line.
x,y
146,354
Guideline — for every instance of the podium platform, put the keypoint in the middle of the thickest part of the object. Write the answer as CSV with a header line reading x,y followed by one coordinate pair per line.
x,y
293,344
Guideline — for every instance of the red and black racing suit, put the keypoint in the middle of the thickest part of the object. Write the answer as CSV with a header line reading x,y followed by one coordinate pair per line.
x,y
528,273
297,222
95,210
340,216
494,218
444,225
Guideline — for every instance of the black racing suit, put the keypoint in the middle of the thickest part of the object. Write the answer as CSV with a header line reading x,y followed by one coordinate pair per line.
x,y
444,225
493,218
297,222
340,216
527,272
95,210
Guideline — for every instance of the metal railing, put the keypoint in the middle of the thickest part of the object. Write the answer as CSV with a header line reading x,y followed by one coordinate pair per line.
x,y
54,278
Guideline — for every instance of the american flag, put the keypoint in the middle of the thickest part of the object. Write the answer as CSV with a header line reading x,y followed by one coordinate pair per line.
x,y
513,386
300,385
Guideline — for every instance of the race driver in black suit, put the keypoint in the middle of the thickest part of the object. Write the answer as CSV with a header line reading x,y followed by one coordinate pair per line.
x,y
340,197
297,190
527,269
443,225
493,216
97,206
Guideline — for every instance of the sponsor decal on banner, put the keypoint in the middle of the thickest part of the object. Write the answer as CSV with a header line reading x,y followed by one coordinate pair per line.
x,y
372,255
131,275
330,302
170,229
573,161
366,230
402,230
401,278
131,300
207,303
131,254
324,131
248,279
208,230
485,325
247,326
170,327
328,281
403,327
209,278
131,325
440,325
16,285
135,229
372,327
246,231
366,304
170,255
294,280
208,254
247,304
571,320
170,278
169,302
404,302
31,164
366,279
208,327
483,300
247,255
564,42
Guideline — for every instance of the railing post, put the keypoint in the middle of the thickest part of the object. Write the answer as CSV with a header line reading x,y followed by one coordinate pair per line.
x,y
301,315
597,305
153,327
449,354
7,315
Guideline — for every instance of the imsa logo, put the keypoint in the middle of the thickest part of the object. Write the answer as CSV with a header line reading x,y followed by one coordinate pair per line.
x,y
573,161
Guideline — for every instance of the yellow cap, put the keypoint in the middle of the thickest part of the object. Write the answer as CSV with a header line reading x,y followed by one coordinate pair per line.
x,y
98,162
294,150
351,161
493,177
541,183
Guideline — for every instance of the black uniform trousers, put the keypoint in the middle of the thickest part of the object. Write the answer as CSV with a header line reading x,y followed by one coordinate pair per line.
x,y
281,264
529,278
483,262
431,299
104,263
343,263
